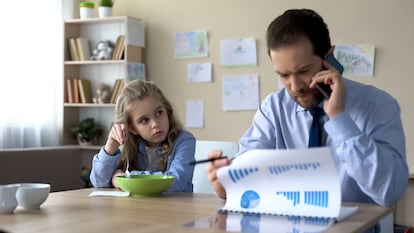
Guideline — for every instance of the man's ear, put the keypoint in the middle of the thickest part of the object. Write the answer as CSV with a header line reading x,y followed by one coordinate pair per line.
x,y
330,51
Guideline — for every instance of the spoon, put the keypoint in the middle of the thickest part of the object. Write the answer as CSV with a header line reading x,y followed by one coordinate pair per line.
x,y
127,174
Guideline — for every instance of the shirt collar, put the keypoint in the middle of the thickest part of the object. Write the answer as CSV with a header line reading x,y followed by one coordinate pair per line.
x,y
301,109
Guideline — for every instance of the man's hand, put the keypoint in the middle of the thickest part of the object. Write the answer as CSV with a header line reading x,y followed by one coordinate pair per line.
x,y
336,103
211,170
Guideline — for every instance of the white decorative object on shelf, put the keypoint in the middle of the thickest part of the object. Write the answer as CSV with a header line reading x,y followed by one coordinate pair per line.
x,y
105,8
105,11
86,10
102,51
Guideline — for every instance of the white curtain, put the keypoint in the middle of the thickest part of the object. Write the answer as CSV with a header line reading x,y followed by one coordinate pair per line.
x,y
31,72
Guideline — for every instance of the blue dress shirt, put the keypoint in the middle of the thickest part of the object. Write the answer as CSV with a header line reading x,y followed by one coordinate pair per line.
x,y
367,140
178,164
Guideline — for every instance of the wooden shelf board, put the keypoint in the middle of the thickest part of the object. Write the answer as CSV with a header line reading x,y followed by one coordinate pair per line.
x,y
87,105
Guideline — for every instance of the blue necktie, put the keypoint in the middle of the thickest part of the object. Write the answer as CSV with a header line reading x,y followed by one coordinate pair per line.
x,y
315,135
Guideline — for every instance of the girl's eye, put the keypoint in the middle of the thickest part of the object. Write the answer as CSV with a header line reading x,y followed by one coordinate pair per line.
x,y
144,121
159,113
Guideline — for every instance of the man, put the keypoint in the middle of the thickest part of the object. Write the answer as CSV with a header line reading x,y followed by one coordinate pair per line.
x,y
361,123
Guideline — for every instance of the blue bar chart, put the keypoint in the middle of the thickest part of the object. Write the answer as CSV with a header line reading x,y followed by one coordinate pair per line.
x,y
285,182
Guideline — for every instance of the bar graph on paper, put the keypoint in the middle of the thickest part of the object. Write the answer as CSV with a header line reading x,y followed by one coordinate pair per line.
x,y
279,169
288,182
240,173
314,198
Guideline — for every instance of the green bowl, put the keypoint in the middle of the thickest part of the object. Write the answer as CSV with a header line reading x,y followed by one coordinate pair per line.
x,y
145,185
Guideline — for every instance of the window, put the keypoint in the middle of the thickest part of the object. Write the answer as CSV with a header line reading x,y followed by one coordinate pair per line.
x,y
31,90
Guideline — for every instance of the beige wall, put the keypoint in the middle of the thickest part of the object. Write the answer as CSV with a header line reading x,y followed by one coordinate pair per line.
x,y
385,24
389,29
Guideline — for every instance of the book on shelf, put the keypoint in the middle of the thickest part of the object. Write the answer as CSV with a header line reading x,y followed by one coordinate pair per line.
x,y
119,48
73,49
119,84
76,91
85,90
122,55
116,84
69,91
119,89
121,52
287,184
116,47
84,49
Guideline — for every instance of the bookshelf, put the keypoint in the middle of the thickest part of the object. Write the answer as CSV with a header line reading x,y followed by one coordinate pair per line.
x,y
99,72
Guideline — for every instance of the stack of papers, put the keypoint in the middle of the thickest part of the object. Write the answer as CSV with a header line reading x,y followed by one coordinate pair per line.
x,y
300,182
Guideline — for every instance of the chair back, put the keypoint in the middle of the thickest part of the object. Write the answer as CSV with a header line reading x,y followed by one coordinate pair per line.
x,y
200,181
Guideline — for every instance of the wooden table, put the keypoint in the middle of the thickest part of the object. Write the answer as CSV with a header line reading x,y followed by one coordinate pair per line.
x,y
74,211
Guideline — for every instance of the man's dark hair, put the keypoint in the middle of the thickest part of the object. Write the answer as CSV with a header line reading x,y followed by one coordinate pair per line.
x,y
295,24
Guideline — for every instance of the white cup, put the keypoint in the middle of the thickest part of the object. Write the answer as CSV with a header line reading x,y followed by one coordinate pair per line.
x,y
8,200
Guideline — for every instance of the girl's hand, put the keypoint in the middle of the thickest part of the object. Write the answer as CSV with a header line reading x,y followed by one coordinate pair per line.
x,y
116,137
118,172
211,170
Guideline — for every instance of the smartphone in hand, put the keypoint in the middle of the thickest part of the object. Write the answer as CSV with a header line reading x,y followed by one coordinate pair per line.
x,y
324,88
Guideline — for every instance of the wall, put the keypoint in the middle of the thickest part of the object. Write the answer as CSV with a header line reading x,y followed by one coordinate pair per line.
x,y
388,29
385,24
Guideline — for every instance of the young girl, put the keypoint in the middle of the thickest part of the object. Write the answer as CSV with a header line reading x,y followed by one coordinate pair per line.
x,y
147,133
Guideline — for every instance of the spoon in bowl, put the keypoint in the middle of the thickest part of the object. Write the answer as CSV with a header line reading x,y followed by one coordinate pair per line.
x,y
127,174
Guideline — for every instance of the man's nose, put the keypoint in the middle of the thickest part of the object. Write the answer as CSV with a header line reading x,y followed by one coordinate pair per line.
x,y
296,84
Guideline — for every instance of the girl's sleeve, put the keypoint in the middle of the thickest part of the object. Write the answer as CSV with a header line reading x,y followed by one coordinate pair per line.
x,y
179,163
103,168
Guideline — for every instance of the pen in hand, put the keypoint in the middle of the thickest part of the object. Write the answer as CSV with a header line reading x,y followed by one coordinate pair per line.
x,y
206,160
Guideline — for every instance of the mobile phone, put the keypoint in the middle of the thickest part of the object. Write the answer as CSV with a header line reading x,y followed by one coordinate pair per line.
x,y
324,88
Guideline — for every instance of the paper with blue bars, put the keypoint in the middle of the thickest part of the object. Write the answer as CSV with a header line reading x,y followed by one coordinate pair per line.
x,y
300,182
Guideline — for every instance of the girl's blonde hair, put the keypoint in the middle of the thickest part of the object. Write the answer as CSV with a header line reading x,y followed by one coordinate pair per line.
x,y
138,90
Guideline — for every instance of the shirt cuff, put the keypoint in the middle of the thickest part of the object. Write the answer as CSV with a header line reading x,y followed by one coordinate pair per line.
x,y
341,128
104,156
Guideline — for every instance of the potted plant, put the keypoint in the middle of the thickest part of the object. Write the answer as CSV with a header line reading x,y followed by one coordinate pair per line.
x,y
105,8
86,131
86,10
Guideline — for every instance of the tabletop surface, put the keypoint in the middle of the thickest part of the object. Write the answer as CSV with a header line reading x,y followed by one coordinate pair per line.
x,y
75,211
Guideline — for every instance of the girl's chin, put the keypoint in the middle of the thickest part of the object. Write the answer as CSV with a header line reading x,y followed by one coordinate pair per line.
x,y
159,138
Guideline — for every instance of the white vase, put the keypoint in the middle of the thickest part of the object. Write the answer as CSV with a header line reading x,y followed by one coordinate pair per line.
x,y
83,142
105,11
86,10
